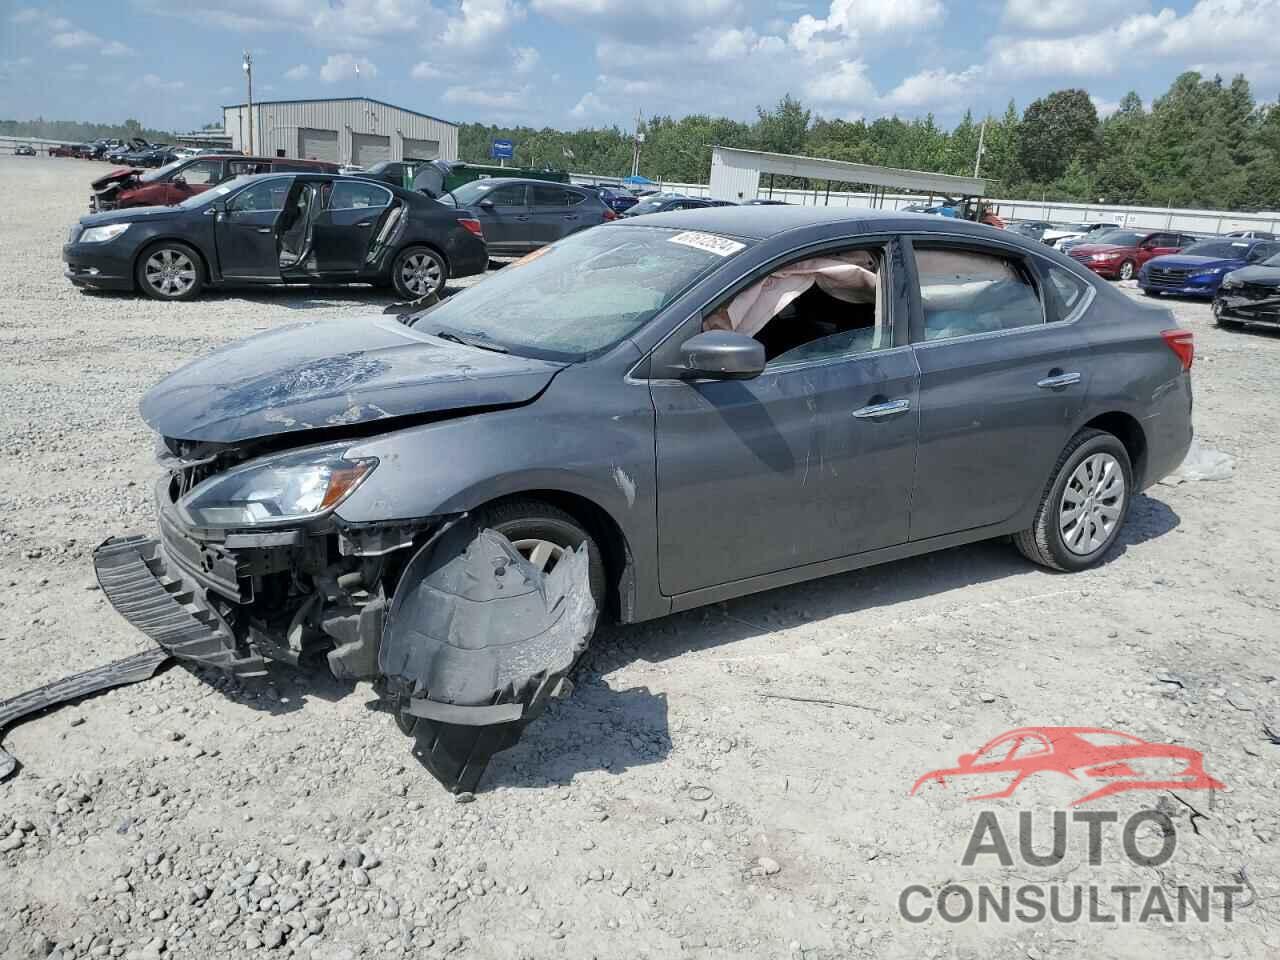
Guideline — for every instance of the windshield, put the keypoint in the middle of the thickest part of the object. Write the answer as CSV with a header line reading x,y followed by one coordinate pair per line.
x,y
1219,249
1119,238
159,172
205,197
583,293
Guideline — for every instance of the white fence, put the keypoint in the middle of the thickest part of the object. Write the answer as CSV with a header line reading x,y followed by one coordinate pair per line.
x,y
1153,218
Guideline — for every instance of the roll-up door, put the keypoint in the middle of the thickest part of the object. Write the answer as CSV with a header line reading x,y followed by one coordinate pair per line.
x,y
367,148
421,149
318,144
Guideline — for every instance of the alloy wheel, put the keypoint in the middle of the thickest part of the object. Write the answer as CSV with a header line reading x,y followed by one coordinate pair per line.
x,y
542,554
1126,271
421,274
1092,504
170,272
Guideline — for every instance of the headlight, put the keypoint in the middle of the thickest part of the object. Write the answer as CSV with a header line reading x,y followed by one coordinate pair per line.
x,y
1213,272
1230,281
1103,256
102,234
297,486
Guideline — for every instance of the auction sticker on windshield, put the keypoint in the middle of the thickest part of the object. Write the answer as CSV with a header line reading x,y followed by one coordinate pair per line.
x,y
720,246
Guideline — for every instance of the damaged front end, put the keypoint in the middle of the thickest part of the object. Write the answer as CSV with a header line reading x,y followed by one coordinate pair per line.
x,y
252,563
107,190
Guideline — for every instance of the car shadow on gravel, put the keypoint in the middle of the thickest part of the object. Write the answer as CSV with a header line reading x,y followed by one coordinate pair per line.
x,y
883,585
285,689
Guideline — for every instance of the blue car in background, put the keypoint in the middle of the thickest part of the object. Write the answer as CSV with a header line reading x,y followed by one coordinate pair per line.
x,y
1197,270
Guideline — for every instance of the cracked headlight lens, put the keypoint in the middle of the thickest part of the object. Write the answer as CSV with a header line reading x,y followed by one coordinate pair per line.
x,y
296,486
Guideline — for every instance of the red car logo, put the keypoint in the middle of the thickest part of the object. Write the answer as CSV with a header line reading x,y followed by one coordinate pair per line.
x,y
1120,761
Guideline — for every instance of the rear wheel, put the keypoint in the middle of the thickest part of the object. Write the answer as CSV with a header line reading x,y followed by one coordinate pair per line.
x,y
418,272
1127,270
1084,506
170,271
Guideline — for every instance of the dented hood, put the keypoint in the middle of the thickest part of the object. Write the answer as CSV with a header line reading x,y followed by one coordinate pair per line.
x,y
118,175
330,374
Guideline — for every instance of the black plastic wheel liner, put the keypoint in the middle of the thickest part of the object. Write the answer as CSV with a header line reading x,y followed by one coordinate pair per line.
x,y
474,625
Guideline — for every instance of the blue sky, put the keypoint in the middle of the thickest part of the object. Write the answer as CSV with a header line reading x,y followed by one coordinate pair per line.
x,y
572,63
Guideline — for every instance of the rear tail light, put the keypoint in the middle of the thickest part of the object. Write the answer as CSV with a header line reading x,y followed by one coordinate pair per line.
x,y
1182,343
610,214
472,225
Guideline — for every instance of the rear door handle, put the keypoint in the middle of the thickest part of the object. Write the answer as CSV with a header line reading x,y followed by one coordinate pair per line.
x,y
571,216
1058,380
264,229
887,409
365,224
522,218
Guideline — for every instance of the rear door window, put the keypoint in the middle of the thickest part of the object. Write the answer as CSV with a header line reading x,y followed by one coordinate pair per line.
x,y
965,292
512,195
358,195
549,196
204,173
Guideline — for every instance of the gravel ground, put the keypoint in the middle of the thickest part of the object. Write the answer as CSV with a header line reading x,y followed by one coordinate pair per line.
x,y
677,803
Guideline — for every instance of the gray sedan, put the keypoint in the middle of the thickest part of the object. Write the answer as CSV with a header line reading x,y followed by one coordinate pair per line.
x,y
664,412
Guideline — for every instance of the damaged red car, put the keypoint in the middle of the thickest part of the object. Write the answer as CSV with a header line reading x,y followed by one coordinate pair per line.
x,y
174,182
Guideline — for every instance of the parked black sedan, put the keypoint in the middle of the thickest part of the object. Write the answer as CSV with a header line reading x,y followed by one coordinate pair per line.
x,y
274,228
519,216
1250,295
666,202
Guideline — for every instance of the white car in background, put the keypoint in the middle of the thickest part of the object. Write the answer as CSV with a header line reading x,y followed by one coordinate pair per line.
x,y
1071,233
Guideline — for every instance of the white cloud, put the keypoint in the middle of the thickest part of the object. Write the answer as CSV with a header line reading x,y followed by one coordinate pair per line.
x,y
114,48
1053,15
299,72
352,24
25,15
479,22
73,39
525,59
936,87
423,71
1105,108
846,85
590,105
489,99
153,82
344,66
628,20
1102,52
851,18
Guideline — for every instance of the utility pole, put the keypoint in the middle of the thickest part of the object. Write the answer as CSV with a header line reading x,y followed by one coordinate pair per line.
x,y
635,146
248,72
982,134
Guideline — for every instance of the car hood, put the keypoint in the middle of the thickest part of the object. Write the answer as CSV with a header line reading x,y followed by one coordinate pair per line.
x,y
325,375
1263,276
1092,248
1178,261
115,176
128,215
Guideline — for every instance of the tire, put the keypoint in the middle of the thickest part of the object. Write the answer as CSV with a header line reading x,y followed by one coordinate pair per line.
x,y
1150,293
170,270
418,271
1227,324
1047,540
1127,270
457,754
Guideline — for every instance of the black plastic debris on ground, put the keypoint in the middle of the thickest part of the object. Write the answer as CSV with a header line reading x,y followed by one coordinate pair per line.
x,y
476,640
133,669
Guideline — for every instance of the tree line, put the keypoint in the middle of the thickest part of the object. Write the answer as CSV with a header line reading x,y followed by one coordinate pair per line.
x,y
1203,143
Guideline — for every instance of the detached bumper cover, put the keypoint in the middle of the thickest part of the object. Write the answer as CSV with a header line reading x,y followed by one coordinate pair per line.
x,y
1248,306
147,589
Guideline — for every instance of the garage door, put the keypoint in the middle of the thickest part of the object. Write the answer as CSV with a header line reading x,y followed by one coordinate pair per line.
x,y
421,149
367,148
318,144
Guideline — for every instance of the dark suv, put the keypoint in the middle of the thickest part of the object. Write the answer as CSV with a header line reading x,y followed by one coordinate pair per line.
x,y
522,215
176,181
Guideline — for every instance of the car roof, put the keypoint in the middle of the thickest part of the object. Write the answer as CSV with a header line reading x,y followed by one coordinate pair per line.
x,y
764,221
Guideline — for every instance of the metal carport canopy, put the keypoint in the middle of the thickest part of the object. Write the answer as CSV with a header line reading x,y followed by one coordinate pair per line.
x,y
843,171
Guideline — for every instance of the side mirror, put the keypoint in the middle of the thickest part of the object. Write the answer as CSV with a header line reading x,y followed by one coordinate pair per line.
x,y
179,180
721,355
487,204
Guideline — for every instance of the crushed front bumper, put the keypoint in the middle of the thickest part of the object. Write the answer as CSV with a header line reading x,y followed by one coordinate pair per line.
x,y
147,588
1264,309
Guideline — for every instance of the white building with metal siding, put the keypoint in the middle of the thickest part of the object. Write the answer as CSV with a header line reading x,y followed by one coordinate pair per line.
x,y
357,130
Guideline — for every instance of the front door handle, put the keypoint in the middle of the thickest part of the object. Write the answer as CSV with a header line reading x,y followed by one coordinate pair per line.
x,y
887,409
365,224
264,229
571,216
1056,381
522,219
